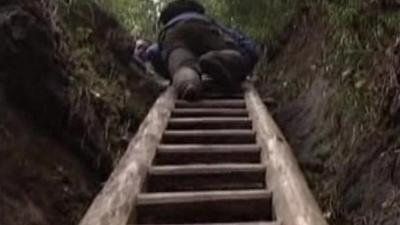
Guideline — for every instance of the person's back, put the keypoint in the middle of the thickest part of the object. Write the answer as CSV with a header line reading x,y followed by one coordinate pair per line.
x,y
193,44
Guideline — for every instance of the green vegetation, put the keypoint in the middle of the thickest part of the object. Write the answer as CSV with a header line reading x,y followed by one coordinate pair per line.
x,y
265,20
138,16
98,82
363,32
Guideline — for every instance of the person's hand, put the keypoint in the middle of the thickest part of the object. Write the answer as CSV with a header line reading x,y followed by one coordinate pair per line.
x,y
140,49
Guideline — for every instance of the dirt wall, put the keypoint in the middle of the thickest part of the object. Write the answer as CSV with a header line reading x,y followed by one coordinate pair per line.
x,y
343,128
67,112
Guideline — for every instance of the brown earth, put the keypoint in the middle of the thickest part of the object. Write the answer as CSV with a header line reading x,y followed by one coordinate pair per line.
x,y
351,160
42,182
65,117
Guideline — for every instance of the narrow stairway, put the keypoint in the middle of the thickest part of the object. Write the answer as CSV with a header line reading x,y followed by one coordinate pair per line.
x,y
207,168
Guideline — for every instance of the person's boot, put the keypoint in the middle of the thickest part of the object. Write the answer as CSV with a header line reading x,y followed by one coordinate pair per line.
x,y
187,84
224,67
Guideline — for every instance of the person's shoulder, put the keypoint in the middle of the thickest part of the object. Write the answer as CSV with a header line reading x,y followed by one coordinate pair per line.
x,y
153,51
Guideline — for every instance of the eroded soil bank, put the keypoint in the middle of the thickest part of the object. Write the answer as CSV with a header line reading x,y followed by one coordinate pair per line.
x,y
42,181
341,119
68,107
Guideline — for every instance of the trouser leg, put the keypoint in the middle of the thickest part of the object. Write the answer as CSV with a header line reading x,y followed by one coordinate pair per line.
x,y
186,80
227,67
181,57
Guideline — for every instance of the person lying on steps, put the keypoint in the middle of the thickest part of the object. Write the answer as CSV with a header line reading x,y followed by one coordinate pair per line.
x,y
191,43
